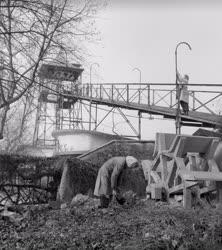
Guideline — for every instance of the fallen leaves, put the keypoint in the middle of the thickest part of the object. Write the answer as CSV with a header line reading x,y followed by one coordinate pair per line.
x,y
140,225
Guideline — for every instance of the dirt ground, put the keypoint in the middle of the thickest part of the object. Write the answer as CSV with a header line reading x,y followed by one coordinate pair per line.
x,y
139,224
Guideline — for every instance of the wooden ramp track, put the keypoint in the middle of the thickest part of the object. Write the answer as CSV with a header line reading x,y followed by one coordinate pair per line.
x,y
181,163
202,119
154,101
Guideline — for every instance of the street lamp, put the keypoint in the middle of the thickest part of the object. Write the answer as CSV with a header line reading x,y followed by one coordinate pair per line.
x,y
90,73
139,72
139,90
178,118
90,93
139,80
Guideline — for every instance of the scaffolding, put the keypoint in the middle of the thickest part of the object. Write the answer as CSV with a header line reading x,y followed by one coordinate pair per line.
x,y
56,110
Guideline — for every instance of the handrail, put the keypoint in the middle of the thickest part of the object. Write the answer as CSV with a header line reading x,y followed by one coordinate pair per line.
x,y
160,97
159,84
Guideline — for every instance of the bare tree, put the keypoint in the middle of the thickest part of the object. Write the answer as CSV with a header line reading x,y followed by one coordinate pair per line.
x,y
19,125
32,32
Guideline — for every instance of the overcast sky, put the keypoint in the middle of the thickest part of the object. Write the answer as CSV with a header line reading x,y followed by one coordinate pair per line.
x,y
144,34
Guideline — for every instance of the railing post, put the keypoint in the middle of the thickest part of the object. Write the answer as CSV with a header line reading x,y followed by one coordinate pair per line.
x,y
193,100
148,101
90,90
139,94
139,125
112,92
127,92
96,89
100,91
171,98
153,97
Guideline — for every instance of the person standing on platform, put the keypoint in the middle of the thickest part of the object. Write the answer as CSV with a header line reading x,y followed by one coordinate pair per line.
x,y
184,93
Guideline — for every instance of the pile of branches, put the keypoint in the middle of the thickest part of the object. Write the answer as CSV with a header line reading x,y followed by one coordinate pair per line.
x,y
27,167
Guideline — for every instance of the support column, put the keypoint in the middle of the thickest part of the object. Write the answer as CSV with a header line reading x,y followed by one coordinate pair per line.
x,y
139,125
219,192
178,117
187,197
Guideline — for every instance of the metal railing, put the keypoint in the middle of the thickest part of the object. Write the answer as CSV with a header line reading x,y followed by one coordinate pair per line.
x,y
202,97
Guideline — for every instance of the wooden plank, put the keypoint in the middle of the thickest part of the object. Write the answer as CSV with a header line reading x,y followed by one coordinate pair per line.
x,y
155,176
167,154
146,166
150,186
200,176
179,188
156,192
171,174
192,164
180,164
187,197
212,148
219,191
174,143
180,147
161,142
209,189
213,167
163,163
156,162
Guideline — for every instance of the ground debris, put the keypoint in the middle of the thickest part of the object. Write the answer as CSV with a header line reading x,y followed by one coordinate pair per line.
x,y
142,225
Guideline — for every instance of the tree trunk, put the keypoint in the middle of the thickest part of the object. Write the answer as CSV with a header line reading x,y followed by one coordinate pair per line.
x,y
3,117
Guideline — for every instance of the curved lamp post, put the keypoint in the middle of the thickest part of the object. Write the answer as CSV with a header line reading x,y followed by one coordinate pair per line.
x,y
178,118
90,89
139,90
139,73
90,73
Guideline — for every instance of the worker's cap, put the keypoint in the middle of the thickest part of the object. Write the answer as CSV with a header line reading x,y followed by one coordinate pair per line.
x,y
131,162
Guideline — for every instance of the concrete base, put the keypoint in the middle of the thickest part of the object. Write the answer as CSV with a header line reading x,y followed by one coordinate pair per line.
x,y
80,141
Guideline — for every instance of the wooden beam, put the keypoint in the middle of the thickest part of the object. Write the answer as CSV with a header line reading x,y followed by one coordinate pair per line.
x,y
155,162
187,197
213,167
179,188
155,176
171,174
200,176
206,190
219,192
212,148
163,162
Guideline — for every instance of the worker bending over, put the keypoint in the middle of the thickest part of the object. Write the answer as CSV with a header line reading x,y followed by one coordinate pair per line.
x,y
107,180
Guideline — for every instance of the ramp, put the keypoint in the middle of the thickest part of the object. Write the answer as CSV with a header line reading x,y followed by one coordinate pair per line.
x,y
147,98
200,118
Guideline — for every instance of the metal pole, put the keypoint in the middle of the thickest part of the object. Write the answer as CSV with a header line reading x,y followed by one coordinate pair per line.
x,y
139,82
90,72
139,73
139,126
96,117
178,114
139,113
90,89
177,122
